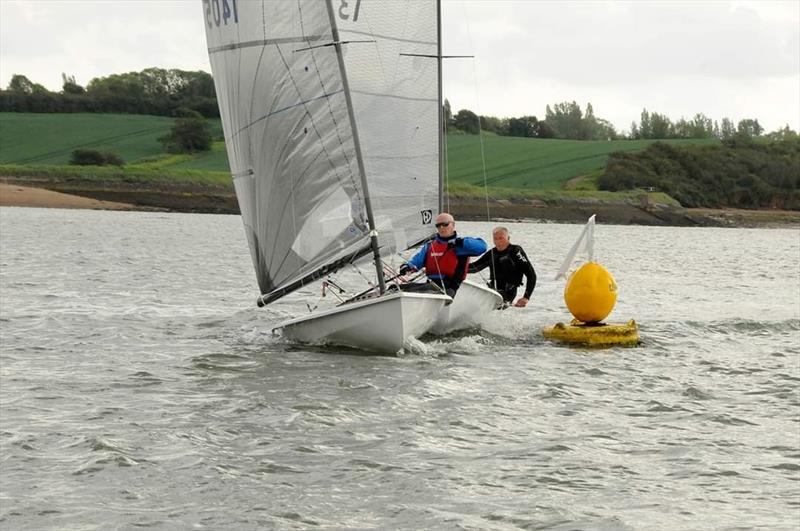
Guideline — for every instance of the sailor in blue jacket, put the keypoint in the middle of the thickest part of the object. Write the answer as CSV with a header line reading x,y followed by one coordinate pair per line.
x,y
446,257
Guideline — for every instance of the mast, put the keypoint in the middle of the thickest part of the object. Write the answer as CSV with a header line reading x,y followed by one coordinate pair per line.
x,y
441,108
376,255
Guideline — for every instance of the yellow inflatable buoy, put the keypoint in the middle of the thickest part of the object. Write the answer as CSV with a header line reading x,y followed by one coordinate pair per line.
x,y
591,293
596,335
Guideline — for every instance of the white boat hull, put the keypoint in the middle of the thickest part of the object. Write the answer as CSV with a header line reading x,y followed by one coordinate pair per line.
x,y
379,324
471,307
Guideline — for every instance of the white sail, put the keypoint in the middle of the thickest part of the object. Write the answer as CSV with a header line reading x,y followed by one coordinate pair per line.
x,y
288,128
288,136
587,239
393,77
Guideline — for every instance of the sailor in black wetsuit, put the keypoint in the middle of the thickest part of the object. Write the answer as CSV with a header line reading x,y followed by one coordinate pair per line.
x,y
507,264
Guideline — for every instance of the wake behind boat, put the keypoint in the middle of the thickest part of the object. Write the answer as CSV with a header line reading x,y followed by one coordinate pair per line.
x,y
332,121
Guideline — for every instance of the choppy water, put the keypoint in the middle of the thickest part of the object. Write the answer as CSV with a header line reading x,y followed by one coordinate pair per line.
x,y
141,387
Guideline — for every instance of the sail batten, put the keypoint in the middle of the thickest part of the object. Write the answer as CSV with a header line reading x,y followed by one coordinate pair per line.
x,y
266,42
290,107
292,129
394,96
389,37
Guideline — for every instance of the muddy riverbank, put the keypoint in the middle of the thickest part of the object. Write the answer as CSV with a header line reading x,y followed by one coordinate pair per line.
x,y
217,199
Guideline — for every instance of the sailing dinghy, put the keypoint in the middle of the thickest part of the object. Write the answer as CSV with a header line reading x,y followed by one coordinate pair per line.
x,y
331,115
472,306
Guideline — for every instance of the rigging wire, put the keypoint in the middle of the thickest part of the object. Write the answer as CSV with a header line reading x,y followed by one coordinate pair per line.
x,y
483,151
369,282
446,165
480,130
483,164
477,110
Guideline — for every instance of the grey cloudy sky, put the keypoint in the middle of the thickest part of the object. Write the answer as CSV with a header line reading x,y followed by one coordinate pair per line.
x,y
733,59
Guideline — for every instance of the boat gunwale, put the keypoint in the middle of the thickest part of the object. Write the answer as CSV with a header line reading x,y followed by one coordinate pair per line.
x,y
360,304
484,288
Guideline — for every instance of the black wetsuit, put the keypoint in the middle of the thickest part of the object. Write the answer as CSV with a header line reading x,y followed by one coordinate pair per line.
x,y
506,271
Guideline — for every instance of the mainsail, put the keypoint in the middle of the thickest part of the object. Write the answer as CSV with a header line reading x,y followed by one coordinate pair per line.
x,y
289,129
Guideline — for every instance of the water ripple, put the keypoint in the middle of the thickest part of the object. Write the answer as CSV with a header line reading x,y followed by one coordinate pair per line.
x,y
142,390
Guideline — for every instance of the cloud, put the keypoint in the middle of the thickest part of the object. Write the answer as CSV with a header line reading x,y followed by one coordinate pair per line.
x,y
722,58
41,39
601,42
679,58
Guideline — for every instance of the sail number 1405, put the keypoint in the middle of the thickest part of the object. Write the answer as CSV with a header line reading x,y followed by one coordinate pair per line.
x,y
220,12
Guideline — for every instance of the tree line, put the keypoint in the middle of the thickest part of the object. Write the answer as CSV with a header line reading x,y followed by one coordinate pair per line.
x,y
657,126
566,120
173,92
154,91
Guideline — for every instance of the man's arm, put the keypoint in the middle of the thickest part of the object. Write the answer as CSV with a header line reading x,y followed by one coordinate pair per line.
x,y
470,247
522,262
418,260
480,264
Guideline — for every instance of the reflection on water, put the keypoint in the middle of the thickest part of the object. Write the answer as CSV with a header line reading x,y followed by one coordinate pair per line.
x,y
142,387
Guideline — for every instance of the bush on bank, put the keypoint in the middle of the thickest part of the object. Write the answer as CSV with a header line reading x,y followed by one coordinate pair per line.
x,y
739,173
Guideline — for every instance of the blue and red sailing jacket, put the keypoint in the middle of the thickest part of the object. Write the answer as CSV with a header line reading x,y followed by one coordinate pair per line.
x,y
447,258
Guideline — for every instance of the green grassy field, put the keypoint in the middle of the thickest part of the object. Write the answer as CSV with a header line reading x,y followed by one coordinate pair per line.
x,y
532,163
214,160
51,138
28,139
32,138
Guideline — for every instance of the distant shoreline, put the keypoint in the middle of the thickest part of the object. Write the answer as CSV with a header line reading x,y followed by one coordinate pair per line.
x,y
187,197
23,196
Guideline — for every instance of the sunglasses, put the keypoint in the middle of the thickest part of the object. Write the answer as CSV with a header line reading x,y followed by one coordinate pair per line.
x,y
440,225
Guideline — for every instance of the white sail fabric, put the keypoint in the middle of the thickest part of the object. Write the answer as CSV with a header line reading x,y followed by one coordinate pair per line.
x,y
287,134
587,239
392,69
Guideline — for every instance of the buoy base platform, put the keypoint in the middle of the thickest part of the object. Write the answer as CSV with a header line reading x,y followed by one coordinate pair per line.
x,y
594,334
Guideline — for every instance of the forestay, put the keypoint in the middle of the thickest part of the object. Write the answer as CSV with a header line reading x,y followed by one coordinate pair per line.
x,y
288,134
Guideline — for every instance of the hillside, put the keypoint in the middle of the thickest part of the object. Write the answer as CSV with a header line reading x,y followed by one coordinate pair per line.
x,y
526,178
511,163
533,163
49,139
735,174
